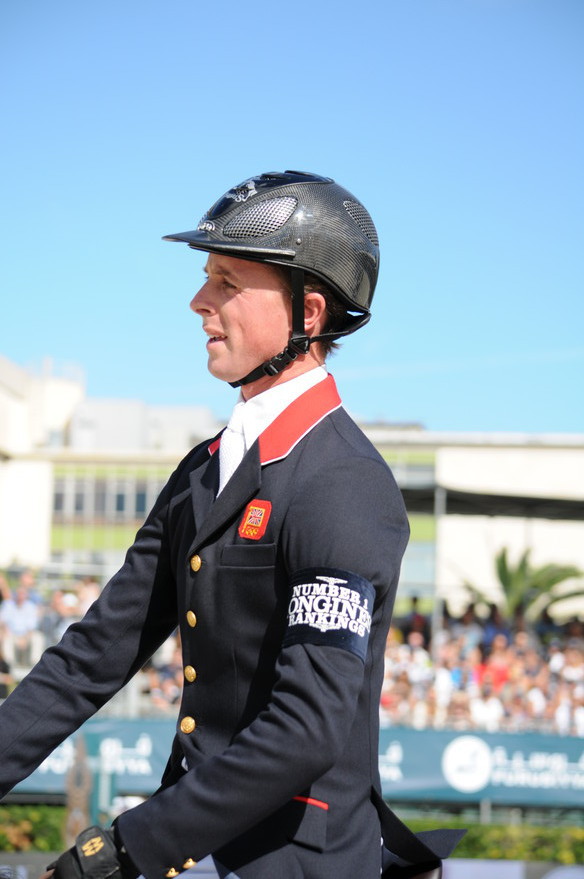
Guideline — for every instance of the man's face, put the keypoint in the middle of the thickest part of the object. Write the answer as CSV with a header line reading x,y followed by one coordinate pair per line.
x,y
246,313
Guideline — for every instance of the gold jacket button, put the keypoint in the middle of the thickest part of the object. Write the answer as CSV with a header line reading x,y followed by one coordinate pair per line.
x,y
189,863
170,874
187,724
190,673
196,563
191,619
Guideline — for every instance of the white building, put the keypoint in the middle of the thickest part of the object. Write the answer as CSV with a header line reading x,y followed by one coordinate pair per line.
x,y
78,475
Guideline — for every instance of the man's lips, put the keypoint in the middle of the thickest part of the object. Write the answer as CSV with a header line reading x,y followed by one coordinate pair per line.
x,y
215,337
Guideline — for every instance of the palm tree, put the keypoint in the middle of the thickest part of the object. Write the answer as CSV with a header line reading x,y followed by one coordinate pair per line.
x,y
530,588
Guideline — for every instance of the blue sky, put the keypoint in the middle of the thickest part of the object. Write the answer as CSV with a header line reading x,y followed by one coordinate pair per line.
x,y
458,123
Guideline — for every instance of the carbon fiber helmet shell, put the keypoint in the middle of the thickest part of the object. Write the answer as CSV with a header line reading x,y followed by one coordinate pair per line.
x,y
300,220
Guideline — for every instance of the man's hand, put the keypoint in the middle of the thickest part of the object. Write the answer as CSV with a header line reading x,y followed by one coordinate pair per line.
x,y
95,855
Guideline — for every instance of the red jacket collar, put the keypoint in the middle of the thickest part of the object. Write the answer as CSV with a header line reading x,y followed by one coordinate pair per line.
x,y
298,419
212,447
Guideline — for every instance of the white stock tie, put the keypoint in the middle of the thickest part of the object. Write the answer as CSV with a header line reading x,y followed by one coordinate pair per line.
x,y
232,448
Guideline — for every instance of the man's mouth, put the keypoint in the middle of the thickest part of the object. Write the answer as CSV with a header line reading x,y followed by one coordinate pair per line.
x,y
214,337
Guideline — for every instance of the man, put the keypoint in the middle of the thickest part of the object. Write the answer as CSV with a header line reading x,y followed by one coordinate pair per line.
x,y
276,547
18,627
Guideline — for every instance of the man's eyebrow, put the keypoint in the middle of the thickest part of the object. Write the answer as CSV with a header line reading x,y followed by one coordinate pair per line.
x,y
223,272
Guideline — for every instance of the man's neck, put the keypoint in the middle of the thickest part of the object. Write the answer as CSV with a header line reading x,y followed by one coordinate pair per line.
x,y
303,363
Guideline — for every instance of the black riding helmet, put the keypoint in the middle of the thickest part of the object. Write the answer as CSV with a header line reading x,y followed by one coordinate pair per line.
x,y
306,223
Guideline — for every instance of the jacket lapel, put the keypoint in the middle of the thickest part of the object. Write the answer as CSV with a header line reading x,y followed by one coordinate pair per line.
x,y
275,443
204,483
211,513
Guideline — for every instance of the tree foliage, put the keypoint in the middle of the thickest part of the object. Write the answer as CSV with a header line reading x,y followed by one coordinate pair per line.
x,y
530,588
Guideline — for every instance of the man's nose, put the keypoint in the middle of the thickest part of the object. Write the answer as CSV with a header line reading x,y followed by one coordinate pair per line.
x,y
200,303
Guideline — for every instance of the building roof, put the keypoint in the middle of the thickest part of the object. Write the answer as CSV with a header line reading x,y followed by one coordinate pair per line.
x,y
436,499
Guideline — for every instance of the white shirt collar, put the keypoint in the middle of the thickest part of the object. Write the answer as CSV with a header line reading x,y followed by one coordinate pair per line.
x,y
261,410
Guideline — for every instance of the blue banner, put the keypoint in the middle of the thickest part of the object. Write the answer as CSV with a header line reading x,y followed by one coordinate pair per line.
x,y
514,769
127,757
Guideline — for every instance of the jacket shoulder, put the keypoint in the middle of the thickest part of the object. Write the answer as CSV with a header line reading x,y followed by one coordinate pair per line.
x,y
346,427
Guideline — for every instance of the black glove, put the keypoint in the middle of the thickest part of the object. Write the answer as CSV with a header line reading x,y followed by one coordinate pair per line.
x,y
97,854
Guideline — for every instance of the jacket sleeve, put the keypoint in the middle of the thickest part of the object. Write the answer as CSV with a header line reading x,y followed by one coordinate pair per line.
x,y
357,524
133,615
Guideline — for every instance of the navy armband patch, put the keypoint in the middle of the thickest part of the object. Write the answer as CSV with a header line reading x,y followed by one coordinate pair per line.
x,y
331,608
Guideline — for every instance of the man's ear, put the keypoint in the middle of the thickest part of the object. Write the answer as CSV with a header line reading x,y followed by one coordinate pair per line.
x,y
314,313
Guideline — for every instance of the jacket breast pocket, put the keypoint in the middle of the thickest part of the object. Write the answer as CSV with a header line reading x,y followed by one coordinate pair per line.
x,y
260,555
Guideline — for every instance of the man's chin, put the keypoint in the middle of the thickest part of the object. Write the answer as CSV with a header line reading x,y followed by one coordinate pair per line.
x,y
224,374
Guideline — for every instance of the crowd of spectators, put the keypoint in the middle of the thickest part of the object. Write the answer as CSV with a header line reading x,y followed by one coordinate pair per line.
x,y
485,674
32,620
470,673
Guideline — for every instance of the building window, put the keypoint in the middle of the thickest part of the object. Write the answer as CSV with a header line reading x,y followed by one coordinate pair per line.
x,y
140,506
59,501
100,500
418,568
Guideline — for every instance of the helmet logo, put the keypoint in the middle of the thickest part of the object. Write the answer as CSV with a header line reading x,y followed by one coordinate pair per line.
x,y
206,226
243,191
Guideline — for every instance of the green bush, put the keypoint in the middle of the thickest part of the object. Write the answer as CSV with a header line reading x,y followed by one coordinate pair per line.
x,y
32,828
515,842
40,828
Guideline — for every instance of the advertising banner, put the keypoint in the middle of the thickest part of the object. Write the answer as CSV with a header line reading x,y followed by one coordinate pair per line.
x,y
518,770
127,757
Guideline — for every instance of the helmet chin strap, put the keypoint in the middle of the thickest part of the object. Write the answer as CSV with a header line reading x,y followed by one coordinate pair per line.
x,y
299,342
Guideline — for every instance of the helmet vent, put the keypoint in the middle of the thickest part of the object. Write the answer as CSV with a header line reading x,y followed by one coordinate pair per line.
x,y
358,213
261,219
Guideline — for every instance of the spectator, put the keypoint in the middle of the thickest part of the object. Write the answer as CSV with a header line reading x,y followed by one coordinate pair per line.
x,y
574,628
444,681
417,659
495,625
4,590
415,621
57,616
556,657
563,710
486,709
87,592
525,681
573,668
458,715
19,622
545,628
578,714
498,662
468,630
6,679
519,685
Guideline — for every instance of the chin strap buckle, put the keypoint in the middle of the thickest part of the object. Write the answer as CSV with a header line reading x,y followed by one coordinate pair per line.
x,y
298,345
295,347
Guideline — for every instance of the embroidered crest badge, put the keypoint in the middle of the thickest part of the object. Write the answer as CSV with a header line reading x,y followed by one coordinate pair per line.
x,y
255,519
